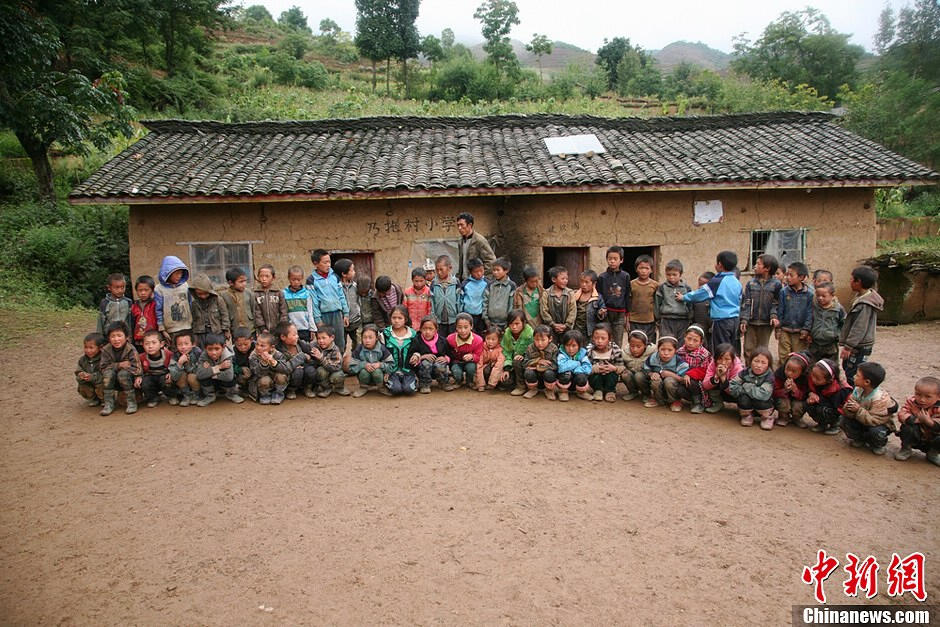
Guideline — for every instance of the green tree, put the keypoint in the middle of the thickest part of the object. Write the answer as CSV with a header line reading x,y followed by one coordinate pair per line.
x,y
800,48
498,17
294,19
295,44
539,46
680,80
374,33
432,49
329,30
42,104
637,74
609,56
912,43
183,27
405,40
257,13
447,38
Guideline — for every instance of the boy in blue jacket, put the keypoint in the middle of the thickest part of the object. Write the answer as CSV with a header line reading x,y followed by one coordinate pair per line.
x,y
724,295
471,291
329,299
794,316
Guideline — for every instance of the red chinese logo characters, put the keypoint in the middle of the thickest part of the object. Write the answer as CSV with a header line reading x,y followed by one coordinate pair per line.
x,y
902,575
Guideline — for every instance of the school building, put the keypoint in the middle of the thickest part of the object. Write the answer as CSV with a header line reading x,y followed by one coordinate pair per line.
x,y
545,190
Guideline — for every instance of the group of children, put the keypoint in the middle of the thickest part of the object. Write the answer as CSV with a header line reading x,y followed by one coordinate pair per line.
x,y
189,343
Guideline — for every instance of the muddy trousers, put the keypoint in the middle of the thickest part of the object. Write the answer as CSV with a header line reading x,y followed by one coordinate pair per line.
x,y
376,377
636,382
118,381
462,369
545,378
301,377
152,384
89,391
325,378
790,410
604,382
402,383
873,436
913,437
825,416
566,379
431,371
270,383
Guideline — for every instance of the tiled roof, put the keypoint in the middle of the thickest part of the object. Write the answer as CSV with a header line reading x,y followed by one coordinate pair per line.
x,y
400,155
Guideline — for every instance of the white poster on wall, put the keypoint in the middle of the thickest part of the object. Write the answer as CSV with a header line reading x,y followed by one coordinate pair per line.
x,y
707,212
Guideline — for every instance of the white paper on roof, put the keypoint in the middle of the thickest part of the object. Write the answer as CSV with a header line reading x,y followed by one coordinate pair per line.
x,y
573,145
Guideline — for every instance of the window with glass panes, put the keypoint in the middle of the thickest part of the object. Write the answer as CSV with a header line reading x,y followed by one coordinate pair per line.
x,y
786,245
214,258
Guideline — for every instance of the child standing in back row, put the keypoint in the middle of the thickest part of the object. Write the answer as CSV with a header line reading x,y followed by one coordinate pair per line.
x,y
210,316
270,309
329,300
642,303
445,296
558,308
471,291
794,317
298,298
673,315
529,295
761,299
613,285
345,269
417,299
723,292
237,301
171,295
589,304
115,306
497,297
143,311
858,332
828,319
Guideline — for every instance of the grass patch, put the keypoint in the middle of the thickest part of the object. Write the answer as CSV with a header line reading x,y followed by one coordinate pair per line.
x,y
912,245
21,324
10,145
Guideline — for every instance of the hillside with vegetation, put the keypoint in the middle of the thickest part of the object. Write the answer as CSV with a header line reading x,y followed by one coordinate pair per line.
x,y
76,77
695,53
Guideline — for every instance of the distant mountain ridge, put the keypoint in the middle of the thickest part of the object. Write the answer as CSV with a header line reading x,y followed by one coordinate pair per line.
x,y
564,54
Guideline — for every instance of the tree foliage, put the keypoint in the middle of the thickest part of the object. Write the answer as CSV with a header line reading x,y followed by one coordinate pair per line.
x,y
498,17
257,13
373,32
609,56
44,101
294,19
800,48
539,46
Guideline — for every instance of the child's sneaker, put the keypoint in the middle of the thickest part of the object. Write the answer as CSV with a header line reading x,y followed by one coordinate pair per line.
x,y
479,388
714,408
550,394
291,394
425,389
651,402
325,392
833,431
697,408
598,395
92,402
153,402
530,393
675,406
517,391
450,386
879,450
173,400
782,421
747,419
343,390
384,391
308,391
360,392
610,397
629,396
586,396
188,399
206,400
934,457
233,395
563,396
817,429
856,444
767,423
277,397
904,454
264,399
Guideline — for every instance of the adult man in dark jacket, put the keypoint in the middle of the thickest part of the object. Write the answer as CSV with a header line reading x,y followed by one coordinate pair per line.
x,y
472,245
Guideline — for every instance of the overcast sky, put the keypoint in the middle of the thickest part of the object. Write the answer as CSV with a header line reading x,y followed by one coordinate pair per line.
x,y
586,23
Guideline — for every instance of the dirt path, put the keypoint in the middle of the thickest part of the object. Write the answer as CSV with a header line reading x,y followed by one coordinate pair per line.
x,y
452,508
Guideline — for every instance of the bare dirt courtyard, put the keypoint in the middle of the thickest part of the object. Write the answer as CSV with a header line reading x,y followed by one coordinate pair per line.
x,y
443,509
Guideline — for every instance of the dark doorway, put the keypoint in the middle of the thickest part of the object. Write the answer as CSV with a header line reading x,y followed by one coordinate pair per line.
x,y
630,254
575,259
363,261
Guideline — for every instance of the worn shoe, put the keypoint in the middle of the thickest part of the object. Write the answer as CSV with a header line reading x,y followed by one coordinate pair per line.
x,y
425,389
517,391
934,457
879,450
550,394
107,407
264,399
131,403
563,396
206,400
384,391
714,408
651,402
856,444
587,396
173,400
325,392
767,423
697,409
904,454
450,387
343,390
675,406
802,423
598,395
782,421
747,419
817,429
291,394
153,402
233,395
92,402
833,431
530,393
481,388
610,397
277,397
360,392
629,396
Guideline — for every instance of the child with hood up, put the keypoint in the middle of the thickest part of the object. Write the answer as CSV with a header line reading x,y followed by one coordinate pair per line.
x,y
210,315
174,312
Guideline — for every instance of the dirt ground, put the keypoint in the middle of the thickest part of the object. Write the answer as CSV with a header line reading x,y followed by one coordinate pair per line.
x,y
448,508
